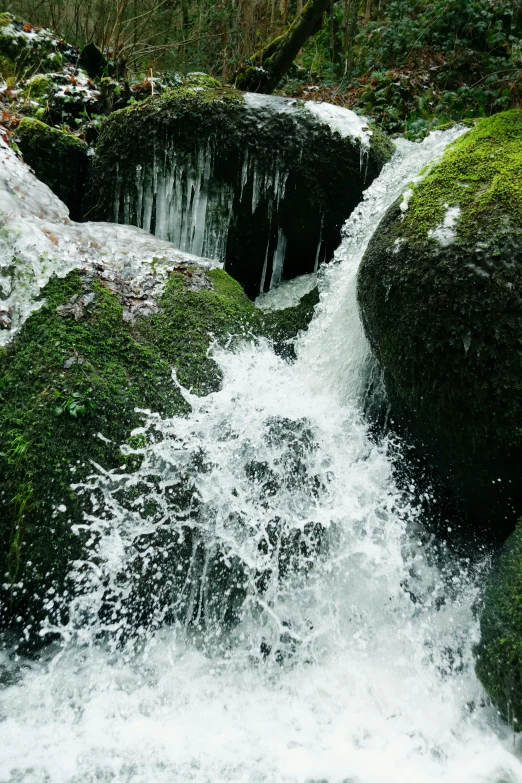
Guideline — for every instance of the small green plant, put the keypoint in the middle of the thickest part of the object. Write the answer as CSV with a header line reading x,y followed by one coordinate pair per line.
x,y
17,447
75,404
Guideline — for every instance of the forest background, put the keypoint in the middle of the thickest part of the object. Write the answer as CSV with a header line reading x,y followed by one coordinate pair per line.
x,y
410,64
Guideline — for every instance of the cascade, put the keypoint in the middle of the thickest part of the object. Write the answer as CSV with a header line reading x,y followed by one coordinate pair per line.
x,y
312,633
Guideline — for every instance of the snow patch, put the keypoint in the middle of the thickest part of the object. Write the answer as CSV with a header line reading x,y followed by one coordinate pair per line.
x,y
341,120
406,196
445,233
277,103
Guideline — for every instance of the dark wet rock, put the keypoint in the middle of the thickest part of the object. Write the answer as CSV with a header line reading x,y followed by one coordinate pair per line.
x,y
440,296
93,61
58,158
499,653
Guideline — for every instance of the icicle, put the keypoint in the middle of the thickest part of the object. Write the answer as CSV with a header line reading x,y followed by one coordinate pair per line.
x,y
318,253
263,275
279,258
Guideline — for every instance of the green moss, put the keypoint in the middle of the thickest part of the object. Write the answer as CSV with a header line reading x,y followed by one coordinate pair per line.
x,y
499,653
201,79
6,19
481,172
283,326
7,68
38,88
181,331
58,158
66,382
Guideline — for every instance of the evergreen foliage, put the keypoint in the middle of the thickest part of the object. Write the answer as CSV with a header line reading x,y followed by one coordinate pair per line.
x,y
413,65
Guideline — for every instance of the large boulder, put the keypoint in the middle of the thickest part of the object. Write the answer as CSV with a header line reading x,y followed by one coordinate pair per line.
x,y
86,476
261,183
499,653
71,381
440,292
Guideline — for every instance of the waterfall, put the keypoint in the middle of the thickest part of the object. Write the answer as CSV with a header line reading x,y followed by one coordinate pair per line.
x,y
311,632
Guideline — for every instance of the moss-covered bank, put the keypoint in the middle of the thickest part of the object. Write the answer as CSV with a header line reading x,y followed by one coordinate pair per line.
x,y
270,184
440,294
70,384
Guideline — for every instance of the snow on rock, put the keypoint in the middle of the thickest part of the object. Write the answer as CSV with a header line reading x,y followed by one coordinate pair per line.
x,y
341,120
37,240
27,43
277,103
445,233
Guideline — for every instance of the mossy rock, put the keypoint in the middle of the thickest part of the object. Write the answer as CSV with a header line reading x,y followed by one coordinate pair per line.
x,y
283,326
32,49
440,292
499,653
258,182
7,69
70,384
38,88
58,158
93,61
200,79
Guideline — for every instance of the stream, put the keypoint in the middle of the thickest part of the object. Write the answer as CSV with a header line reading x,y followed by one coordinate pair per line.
x,y
350,657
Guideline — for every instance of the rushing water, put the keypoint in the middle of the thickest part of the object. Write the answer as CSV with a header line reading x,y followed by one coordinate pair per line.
x,y
351,657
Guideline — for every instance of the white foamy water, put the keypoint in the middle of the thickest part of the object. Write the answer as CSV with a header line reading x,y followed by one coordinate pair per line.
x,y
350,660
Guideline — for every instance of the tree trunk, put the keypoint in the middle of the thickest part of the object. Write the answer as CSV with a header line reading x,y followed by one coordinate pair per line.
x,y
351,33
332,32
284,13
267,67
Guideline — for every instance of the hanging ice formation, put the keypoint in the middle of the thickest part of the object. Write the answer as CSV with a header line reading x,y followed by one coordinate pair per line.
x,y
178,199
266,194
